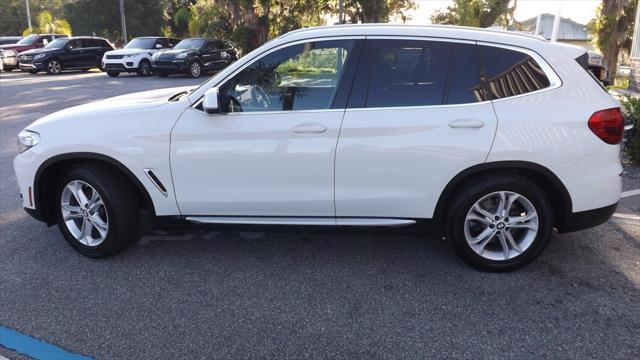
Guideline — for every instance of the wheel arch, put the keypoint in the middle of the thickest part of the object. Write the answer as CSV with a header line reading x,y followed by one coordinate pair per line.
x,y
53,165
542,176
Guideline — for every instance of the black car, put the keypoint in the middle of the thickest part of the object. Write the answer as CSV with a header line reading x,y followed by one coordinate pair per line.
x,y
136,55
81,52
194,57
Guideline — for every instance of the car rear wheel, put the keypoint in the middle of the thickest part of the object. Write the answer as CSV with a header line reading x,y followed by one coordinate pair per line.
x,y
97,210
113,74
499,223
53,67
195,69
144,68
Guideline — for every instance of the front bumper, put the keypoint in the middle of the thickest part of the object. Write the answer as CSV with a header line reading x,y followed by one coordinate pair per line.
x,y
39,66
170,66
120,65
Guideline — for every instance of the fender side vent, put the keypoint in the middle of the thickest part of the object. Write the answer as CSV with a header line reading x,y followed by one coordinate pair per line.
x,y
154,179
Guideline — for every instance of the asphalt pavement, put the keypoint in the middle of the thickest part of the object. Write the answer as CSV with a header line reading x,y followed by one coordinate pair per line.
x,y
288,295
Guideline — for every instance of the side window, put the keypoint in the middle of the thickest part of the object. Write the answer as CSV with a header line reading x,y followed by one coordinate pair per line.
x,y
464,84
407,73
209,47
220,45
509,72
74,44
298,77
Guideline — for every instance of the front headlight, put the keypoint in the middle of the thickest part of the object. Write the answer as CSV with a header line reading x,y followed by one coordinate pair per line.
x,y
39,56
27,139
128,55
182,56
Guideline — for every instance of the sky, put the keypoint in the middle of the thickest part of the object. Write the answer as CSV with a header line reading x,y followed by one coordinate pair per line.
x,y
578,10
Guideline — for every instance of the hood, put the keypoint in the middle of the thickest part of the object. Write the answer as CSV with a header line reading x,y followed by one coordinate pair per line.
x,y
37,51
128,51
123,103
16,47
175,52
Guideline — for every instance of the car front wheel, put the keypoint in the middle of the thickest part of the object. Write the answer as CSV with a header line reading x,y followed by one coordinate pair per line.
x,y
97,210
195,69
499,223
54,67
144,68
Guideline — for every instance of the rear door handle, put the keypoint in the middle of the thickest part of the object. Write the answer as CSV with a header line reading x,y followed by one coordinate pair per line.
x,y
466,123
310,128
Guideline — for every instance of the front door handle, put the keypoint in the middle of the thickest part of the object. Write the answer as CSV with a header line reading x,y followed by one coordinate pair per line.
x,y
466,123
310,128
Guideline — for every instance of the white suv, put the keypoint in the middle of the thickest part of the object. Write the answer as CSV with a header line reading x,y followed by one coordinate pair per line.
x,y
136,55
493,138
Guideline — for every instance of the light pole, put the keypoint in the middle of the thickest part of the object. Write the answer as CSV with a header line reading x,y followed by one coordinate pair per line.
x,y
124,23
28,15
340,12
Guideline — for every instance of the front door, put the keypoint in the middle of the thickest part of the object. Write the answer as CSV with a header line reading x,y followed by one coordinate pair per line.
x,y
271,150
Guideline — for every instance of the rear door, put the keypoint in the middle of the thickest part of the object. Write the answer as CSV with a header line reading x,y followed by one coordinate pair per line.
x,y
417,116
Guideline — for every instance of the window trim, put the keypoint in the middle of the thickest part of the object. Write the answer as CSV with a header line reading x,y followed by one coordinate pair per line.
x,y
197,104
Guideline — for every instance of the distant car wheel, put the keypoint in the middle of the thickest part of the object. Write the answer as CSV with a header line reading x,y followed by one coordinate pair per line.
x,y
97,210
53,67
113,74
161,74
195,69
499,223
144,68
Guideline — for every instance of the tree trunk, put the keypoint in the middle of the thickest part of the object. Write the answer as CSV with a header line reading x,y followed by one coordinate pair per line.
x,y
611,59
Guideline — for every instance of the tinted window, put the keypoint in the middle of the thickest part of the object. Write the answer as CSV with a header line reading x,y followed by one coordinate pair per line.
x,y
74,44
220,45
407,72
510,72
209,47
464,78
298,77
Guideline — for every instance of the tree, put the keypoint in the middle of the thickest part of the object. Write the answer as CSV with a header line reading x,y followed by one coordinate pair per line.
x,y
477,13
613,30
47,24
13,13
376,11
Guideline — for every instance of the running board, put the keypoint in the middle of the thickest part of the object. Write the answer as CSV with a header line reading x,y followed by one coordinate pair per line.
x,y
313,221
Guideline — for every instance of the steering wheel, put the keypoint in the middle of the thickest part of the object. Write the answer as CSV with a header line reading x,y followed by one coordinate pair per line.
x,y
260,97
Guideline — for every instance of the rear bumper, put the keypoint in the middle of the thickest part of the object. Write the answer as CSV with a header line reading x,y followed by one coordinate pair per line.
x,y
586,219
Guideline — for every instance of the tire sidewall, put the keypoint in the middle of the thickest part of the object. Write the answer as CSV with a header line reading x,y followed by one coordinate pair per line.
x,y
189,70
522,186
140,67
49,71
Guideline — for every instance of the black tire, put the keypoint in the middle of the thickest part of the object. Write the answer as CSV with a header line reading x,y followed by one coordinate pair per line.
x,y
471,192
162,74
51,68
144,68
120,203
113,74
195,69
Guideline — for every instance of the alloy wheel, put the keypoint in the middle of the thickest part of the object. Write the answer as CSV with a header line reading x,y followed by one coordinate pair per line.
x,y
54,66
195,69
501,226
84,213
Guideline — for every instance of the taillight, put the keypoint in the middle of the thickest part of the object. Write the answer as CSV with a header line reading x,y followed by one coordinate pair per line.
x,y
608,125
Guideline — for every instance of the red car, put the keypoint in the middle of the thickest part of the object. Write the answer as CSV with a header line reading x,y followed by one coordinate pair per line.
x,y
9,53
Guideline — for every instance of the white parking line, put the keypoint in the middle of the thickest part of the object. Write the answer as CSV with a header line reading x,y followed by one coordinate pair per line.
x,y
625,194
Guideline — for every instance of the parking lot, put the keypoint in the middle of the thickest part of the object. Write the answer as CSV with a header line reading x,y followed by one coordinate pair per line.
x,y
279,295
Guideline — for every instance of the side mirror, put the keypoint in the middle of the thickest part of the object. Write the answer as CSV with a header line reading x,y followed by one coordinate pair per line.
x,y
210,101
68,48
158,46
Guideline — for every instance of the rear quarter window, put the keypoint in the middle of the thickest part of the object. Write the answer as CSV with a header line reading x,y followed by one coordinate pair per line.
x,y
508,72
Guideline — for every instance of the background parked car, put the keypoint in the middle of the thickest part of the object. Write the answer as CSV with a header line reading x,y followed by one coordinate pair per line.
x,y
61,54
4,40
9,52
194,56
136,55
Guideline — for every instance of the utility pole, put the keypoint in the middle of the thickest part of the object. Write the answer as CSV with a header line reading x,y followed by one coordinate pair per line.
x,y
556,24
124,23
28,15
340,12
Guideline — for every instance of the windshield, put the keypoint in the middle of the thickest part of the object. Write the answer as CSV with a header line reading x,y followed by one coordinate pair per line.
x,y
190,44
57,44
28,40
141,43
